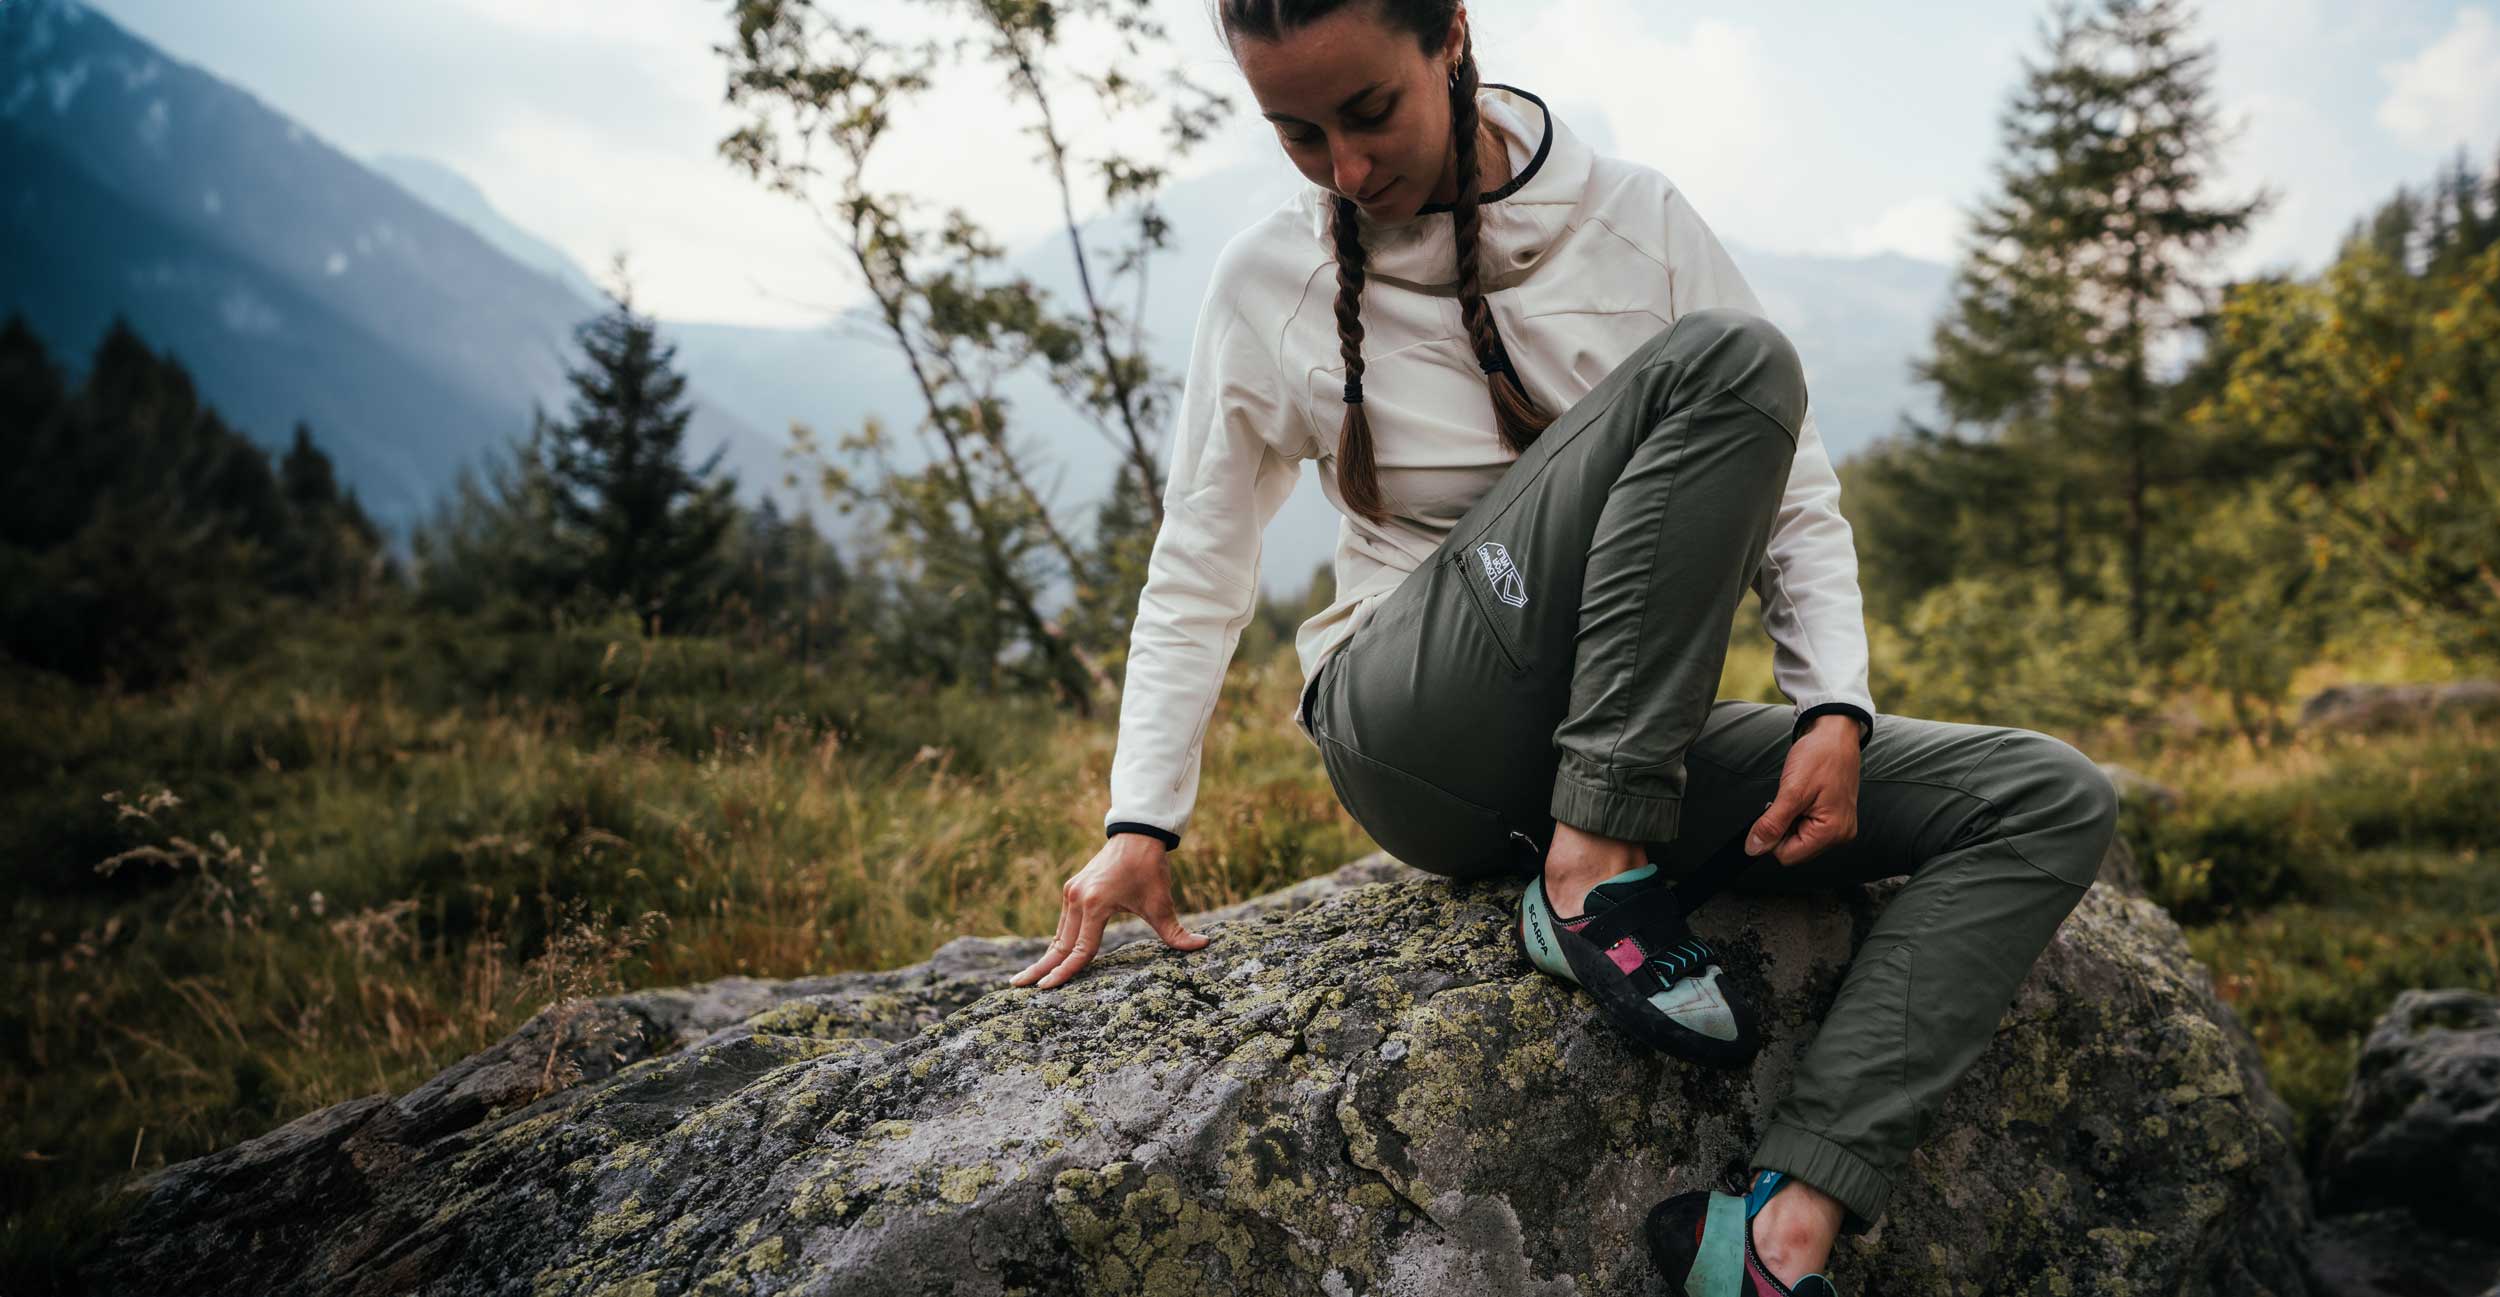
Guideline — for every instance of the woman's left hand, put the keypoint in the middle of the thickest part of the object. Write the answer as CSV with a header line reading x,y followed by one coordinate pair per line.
x,y
1817,806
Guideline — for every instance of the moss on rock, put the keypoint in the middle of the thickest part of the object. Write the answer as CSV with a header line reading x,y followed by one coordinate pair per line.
x,y
1359,1090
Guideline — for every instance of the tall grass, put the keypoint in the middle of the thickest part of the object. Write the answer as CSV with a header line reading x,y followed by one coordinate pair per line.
x,y
382,845
378,844
2319,878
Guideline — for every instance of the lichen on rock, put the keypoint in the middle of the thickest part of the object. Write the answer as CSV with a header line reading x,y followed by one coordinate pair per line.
x,y
1355,1087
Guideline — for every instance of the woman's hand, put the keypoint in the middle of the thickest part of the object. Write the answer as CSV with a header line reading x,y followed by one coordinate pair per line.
x,y
1817,806
1129,875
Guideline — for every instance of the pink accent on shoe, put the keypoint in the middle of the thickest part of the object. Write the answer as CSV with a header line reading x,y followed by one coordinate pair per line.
x,y
1627,954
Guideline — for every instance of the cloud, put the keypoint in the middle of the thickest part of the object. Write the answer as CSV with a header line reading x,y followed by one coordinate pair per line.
x,y
1820,127
1701,107
2450,92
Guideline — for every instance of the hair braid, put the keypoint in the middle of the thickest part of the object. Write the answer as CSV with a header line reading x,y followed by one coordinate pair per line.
x,y
1358,484
1515,413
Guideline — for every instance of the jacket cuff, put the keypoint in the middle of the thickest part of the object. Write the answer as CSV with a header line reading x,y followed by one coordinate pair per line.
x,y
1169,839
1866,723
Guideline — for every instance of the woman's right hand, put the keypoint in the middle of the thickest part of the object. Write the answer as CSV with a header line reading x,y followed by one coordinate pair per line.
x,y
1129,875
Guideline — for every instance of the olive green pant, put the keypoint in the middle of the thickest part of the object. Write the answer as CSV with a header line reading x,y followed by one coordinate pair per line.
x,y
1558,659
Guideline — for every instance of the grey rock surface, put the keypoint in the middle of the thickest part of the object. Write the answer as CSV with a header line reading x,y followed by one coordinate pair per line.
x,y
2119,870
1356,1087
2420,1123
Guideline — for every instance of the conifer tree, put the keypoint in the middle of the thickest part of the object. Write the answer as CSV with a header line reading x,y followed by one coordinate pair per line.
x,y
490,543
636,522
2090,256
35,430
332,541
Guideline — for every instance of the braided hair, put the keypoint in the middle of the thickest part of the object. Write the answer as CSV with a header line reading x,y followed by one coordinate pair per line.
x,y
1516,415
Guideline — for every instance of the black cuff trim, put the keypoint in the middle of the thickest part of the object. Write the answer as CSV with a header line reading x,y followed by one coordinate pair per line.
x,y
1170,840
1866,723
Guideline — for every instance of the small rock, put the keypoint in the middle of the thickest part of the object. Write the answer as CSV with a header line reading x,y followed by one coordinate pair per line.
x,y
2387,1253
2366,708
2420,1124
2136,788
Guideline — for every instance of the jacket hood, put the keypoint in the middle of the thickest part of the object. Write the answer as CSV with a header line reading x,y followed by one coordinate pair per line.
x,y
1529,210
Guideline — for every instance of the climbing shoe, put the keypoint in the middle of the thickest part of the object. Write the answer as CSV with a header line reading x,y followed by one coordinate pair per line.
x,y
1633,950
1702,1243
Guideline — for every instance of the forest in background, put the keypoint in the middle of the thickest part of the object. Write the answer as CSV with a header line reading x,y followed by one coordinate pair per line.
x,y
298,816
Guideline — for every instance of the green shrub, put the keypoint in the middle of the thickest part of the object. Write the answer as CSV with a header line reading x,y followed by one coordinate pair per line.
x,y
2242,847
1977,651
2309,977
2234,855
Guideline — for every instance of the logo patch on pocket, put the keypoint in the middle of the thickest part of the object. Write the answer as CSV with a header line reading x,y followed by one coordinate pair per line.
x,y
1509,585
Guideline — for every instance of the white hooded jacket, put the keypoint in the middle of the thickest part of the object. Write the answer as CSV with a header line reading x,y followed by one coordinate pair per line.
x,y
1584,258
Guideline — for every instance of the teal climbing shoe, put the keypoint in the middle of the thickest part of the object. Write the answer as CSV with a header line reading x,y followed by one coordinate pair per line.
x,y
1636,955
1702,1243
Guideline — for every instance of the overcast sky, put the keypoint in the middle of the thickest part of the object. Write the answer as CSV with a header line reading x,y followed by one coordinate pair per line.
x,y
1801,126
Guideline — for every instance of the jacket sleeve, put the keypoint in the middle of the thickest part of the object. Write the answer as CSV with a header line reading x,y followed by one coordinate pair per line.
x,y
1808,581
1226,480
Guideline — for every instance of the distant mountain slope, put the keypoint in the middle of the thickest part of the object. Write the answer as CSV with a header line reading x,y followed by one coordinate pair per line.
x,y
1857,321
454,196
413,323
291,278
77,255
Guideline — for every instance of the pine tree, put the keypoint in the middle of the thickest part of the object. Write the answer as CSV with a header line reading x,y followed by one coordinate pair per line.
x,y
490,544
640,524
34,426
2089,258
2463,230
332,542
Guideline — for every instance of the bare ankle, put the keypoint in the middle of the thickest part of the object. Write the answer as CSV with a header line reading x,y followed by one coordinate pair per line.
x,y
1579,860
1795,1230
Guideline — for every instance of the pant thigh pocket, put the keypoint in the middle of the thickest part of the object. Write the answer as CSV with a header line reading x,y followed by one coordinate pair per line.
x,y
1496,598
1419,823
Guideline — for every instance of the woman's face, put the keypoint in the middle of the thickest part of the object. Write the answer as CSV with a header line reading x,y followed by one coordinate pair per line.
x,y
1360,110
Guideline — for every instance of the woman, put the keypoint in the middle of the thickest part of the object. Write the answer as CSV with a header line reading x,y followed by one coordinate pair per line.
x,y
1519,671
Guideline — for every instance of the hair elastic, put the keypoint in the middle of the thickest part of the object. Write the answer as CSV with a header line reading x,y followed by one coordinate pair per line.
x,y
1354,391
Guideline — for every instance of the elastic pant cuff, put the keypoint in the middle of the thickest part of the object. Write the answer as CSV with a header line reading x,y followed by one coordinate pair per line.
x,y
1616,815
1827,1166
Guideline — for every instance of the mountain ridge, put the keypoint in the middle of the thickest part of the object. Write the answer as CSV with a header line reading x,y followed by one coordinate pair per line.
x,y
287,273
339,290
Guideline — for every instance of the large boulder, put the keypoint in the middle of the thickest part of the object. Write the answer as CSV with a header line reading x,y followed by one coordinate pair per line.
x,y
2420,1123
1354,1088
